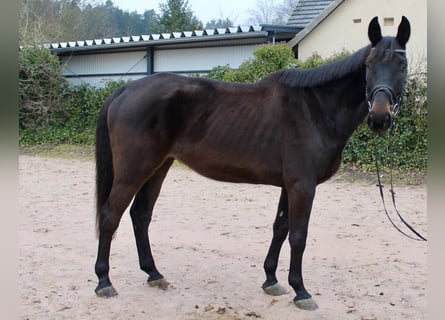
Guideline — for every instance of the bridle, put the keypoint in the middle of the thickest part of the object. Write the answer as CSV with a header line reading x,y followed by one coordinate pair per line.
x,y
394,99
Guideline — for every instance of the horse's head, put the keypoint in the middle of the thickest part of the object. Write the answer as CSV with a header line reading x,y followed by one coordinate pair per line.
x,y
386,71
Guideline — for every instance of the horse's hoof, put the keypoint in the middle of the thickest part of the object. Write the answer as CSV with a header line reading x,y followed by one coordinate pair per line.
x,y
306,304
275,290
106,292
159,283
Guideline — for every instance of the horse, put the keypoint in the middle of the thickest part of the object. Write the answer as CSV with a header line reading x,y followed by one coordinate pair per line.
x,y
286,130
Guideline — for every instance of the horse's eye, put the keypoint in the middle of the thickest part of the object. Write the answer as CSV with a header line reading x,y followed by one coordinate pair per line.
x,y
404,66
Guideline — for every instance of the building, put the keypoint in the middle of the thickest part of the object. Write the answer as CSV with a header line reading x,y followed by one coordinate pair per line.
x,y
189,52
325,27
337,25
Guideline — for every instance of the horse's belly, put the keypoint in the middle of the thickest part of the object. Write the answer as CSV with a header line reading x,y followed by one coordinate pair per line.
x,y
233,170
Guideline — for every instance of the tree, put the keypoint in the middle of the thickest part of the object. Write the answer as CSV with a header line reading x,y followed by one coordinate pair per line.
x,y
263,13
271,12
220,23
151,20
284,10
177,15
48,21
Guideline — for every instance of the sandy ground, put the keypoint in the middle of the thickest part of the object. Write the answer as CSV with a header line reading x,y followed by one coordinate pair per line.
x,y
209,240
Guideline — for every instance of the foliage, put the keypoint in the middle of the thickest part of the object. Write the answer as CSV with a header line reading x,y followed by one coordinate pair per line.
x,y
176,15
49,21
41,87
266,59
76,123
316,60
219,23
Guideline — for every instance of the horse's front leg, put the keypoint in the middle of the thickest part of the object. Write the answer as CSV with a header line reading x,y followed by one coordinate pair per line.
x,y
300,196
280,231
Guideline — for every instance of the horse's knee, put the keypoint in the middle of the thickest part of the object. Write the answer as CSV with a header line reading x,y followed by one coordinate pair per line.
x,y
280,230
297,240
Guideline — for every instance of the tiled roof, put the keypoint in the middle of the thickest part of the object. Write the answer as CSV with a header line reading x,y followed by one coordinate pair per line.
x,y
306,11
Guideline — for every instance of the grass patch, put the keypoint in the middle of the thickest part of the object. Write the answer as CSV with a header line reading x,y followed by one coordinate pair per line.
x,y
351,174
63,151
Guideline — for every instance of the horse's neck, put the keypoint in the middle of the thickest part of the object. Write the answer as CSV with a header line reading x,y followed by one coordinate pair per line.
x,y
346,103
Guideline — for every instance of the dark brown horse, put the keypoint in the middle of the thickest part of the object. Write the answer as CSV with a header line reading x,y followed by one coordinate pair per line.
x,y
287,130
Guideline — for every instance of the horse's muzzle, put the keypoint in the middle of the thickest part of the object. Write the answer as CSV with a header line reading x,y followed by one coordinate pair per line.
x,y
380,113
379,122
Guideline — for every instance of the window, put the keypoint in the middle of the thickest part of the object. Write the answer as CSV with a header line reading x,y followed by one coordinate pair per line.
x,y
388,22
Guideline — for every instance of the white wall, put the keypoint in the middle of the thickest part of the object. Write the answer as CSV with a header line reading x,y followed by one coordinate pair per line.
x,y
96,69
338,31
106,63
200,59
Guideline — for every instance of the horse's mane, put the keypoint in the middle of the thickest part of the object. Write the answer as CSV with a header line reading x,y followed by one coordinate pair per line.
x,y
322,74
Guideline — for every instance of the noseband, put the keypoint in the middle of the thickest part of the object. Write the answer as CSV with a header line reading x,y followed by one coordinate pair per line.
x,y
395,100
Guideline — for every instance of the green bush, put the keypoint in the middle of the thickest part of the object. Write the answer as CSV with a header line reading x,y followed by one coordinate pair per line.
x,y
83,109
76,122
42,87
266,59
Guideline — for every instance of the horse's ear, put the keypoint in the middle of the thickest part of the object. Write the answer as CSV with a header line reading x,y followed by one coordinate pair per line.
x,y
403,32
374,31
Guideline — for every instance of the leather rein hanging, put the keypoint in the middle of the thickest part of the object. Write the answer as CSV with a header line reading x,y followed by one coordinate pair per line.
x,y
395,103
391,190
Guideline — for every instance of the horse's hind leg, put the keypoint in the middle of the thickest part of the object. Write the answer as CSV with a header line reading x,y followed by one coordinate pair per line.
x,y
129,176
141,213
111,214
280,231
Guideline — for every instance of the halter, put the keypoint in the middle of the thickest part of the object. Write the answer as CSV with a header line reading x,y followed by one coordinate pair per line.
x,y
395,100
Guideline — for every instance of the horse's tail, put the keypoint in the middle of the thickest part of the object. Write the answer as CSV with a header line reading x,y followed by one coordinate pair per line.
x,y
104,163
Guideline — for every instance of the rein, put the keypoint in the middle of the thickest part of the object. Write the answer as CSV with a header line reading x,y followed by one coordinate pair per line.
x,y
391,190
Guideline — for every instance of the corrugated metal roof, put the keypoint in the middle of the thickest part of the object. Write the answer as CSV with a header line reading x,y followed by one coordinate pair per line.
x,y
156,37
306,11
